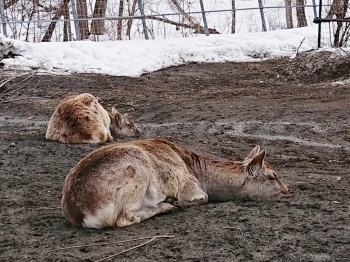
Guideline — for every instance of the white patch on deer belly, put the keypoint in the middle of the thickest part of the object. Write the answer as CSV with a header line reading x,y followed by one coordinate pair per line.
x,y
104,216
152,197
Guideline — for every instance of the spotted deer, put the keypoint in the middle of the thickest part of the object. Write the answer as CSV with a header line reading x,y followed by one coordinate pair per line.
x,y
82,119
126,183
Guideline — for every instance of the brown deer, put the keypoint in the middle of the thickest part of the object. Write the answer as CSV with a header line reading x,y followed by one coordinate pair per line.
x,y
81,119
126,183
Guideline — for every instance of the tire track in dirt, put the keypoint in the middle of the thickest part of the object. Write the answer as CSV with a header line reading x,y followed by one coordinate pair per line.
x,y
248,129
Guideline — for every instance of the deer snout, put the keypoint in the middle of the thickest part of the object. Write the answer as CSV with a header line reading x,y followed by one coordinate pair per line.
x,y
138,132
286,193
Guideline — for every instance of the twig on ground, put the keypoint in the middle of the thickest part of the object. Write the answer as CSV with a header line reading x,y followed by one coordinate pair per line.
x,y
104,244
12,78
41,193
132,248
49,208
14,90
235,228
300,45
24,98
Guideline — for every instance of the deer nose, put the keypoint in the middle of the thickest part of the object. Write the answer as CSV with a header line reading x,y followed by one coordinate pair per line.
x,y
286,193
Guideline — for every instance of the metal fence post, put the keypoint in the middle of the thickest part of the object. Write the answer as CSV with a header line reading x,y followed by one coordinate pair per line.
x,y
143,19
3,18
319,26
75,20
261,7
204,18
314,8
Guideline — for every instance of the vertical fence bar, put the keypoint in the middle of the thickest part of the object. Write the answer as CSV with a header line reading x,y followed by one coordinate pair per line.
x,y
314,8
3,19
204,18
319,25
142,11
75,20
261,7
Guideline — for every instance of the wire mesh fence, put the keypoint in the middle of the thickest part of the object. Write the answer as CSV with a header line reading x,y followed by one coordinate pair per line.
x,y
334,25
106,20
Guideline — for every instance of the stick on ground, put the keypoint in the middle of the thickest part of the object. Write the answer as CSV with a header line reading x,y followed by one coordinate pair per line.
x,y
235,228
102,244
132,248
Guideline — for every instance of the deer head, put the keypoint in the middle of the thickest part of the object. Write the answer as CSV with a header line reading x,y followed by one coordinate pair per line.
x,y
122,125
261,180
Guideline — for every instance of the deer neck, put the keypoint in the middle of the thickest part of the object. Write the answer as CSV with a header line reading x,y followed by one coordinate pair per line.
x,y
221,180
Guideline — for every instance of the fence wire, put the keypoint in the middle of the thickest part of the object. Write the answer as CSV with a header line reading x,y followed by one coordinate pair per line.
x,y
334,26
102,20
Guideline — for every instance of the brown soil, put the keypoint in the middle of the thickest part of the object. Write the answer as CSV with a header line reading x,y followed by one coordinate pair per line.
x,y
293,109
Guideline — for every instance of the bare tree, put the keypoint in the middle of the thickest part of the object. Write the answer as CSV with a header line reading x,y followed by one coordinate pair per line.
x,y
289,18
131,13
233,24
168,21
192,23
98,26
10,3
67,31
188,17
120,21
301,13
82,14
62,10
337,9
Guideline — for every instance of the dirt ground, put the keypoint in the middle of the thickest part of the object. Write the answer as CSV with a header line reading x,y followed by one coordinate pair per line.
x,y
298,110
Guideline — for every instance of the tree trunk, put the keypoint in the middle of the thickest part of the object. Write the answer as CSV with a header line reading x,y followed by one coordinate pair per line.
x,y
179,8
83,24
131,13
61,10
301,13
289,17
199,30
120,21
66,26
336,9
189,18
98,26
10,3
339,37
233,24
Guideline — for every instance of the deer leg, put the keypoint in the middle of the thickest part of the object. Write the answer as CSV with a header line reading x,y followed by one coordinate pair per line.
x,y
191,195
109,137
148,212
190,203
122,221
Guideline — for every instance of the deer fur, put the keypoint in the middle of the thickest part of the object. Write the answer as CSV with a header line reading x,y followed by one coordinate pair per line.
x,y
126,183
81,119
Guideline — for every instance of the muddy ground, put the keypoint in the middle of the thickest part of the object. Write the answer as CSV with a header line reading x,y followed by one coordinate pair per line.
x,y
297,110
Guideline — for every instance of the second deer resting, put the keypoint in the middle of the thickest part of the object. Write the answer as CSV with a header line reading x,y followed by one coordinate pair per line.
x,y
126,183
81,119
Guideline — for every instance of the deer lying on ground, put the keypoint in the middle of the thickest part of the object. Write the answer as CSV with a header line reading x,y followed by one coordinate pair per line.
x,y
81,119
126,183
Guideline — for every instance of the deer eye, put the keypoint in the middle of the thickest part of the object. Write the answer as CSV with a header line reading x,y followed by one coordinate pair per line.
x,y
271,177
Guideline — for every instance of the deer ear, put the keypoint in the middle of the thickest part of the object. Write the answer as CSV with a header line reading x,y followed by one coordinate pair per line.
x,y
117,116
256,164
252,153
114,111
